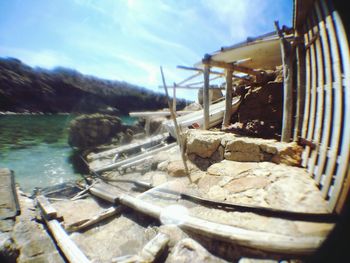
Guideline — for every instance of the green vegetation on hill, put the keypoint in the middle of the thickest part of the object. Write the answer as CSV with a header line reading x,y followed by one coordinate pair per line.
x,y
26,89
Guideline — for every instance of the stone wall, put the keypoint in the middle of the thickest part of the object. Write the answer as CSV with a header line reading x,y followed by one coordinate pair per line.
x,y
204,148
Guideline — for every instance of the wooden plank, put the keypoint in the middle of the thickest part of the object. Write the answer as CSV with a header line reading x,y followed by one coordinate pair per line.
x,y
287,60
268,242
156,113
344,155
103,215
232,67
134,158
328,94
311,124
319,97
301,74
206,97
188,79
337,99
67,246
304,131
147,142
202,70
228,99
179,137
47,209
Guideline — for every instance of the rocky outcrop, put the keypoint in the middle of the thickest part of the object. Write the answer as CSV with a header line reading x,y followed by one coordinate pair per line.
x,y
260,113
207,147
88,131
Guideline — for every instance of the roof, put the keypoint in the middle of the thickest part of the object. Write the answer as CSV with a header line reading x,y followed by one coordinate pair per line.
x,y
262,52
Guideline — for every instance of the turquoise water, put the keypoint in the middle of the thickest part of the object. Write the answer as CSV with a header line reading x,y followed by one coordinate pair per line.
x,y
35,148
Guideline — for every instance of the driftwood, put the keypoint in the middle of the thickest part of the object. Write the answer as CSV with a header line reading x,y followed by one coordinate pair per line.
x,y
177,128
132,146
67,246
287,59
156,113
206,97
47,209
133,159
154,248
228,99
268,242
83,224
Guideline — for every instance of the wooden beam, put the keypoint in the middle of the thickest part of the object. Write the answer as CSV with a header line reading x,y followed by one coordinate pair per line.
x,y
232,67
287,59
202,70
68,247
134,158
268,242
180,139
206,97
156,113
228,99
49,212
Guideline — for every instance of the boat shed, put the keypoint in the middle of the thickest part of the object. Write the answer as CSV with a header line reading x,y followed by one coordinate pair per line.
x,y
316,96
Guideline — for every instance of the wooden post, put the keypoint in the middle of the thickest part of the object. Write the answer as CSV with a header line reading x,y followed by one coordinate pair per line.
x,y
180,140
287,60
206,97
174,98
300,89
228,99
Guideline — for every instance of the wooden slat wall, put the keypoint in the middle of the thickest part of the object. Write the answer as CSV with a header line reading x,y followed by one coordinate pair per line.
x,y
326,120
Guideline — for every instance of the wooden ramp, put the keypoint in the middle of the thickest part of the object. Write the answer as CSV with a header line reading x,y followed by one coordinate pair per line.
x,y
9,207
148,142
195,119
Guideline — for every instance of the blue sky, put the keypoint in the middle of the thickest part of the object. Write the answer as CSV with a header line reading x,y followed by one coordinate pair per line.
x,y
129,39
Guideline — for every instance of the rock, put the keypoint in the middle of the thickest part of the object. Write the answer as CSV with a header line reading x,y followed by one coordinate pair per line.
x,y
214,94
246,149
176,168
156,124
231,168
245,183
8,249
89,131
260,113
202,143
193,107
189,251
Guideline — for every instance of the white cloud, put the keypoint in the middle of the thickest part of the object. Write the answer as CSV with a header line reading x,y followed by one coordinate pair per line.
x,y
43,58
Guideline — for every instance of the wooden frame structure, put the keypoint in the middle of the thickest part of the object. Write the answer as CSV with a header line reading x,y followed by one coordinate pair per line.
x,y
323,95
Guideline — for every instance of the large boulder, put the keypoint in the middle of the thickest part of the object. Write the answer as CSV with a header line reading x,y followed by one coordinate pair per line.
x,y
260,113
88,131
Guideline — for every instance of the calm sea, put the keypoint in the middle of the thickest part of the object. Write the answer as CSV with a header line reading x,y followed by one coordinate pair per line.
x,y
35,148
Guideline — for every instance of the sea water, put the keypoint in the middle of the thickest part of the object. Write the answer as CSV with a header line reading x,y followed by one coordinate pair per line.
x,y
35,147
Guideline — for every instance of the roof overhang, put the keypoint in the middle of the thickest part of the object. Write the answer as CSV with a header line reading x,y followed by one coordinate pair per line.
x,y
261,52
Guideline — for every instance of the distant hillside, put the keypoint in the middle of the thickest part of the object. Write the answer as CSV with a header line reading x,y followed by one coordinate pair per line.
x,y
23,88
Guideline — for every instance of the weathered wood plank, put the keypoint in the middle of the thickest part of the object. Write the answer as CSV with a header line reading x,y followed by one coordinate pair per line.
x,y
296,245
147,142
344,155
319,98
328,96
68,247
306,118
206,97
287,60
228,99
47,209
337,99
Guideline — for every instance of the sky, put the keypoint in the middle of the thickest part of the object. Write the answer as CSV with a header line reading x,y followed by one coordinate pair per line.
x,y
129,40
